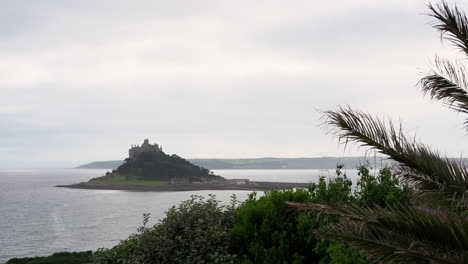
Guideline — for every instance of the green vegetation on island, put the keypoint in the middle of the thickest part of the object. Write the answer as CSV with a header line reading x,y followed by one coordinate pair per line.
x,y
85,257
120,179
148,165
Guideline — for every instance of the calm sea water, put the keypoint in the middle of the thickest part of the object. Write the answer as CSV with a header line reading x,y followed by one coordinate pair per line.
x,y
38,219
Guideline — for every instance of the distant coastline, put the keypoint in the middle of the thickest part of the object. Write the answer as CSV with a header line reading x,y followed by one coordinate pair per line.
x,y
251,186
261,163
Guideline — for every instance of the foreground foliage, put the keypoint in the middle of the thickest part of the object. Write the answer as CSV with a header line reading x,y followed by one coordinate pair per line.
x,y
435,228
196,231
266,230
263,229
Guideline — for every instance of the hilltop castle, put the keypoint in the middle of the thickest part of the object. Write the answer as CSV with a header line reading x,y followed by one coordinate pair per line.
x,y
145,147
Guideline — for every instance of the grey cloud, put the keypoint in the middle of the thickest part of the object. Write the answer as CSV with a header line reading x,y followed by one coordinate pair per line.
x,y
350,34
206,79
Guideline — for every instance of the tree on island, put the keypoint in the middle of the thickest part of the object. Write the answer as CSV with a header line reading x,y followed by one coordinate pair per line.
x,y
434,229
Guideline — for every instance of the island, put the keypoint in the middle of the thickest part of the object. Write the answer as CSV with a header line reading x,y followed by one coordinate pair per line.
x,y
148,168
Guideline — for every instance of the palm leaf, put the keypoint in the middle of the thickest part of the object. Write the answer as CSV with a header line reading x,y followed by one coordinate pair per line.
x,y
423,168
452,24
447,83
388,234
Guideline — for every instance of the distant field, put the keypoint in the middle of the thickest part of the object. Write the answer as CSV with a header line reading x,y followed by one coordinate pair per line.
x,y
124,181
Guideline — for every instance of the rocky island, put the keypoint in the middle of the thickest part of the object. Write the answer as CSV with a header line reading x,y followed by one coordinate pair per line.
x,y
148,168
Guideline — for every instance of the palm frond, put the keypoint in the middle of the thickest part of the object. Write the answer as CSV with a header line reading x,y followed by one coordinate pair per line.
x,y
418,165
447,83
387,234
383,246
452,24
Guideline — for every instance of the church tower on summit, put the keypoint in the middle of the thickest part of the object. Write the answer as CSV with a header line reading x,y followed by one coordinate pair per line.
x,y
145,147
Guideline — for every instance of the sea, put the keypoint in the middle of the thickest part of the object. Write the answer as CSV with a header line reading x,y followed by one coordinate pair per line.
x,y
38,219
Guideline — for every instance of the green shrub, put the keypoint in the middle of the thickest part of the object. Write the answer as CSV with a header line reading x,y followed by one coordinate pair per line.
x,y
339,253
266,230
382,190
196,231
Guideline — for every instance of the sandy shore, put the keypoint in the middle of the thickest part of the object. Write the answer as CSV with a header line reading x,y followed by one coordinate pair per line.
x,y
252,186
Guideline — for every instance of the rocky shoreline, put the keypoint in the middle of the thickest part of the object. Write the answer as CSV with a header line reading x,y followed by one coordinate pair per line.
x,y
251,186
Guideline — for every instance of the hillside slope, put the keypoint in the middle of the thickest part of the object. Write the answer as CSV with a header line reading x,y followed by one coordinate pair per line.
x,y
158,166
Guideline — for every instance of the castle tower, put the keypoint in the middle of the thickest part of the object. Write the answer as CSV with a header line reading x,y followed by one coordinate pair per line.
x,y
145,147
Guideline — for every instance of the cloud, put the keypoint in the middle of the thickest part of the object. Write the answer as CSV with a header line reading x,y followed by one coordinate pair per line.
x,y
82,80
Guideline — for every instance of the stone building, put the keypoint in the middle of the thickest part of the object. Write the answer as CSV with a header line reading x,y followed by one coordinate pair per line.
x,y
239,181
145,147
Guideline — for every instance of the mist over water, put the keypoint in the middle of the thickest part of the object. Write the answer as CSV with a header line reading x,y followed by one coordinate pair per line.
x,y
38,219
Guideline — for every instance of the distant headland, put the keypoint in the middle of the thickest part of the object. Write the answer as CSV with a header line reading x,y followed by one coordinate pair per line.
x,y
148,168
321,163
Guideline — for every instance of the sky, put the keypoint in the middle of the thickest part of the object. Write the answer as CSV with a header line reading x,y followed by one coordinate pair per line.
x,y
83,80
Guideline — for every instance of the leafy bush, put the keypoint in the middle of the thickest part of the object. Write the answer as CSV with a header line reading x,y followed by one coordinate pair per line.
x,y
196,231
339,253
382,190
266,230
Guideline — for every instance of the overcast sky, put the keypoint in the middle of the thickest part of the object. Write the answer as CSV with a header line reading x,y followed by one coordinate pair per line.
x,y
83,80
